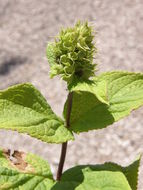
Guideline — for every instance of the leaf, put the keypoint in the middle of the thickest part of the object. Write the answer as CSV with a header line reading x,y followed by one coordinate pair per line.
x,y
90,86
96,181
130,172
24,109
24,171
105,100
88,113
108,176
124,92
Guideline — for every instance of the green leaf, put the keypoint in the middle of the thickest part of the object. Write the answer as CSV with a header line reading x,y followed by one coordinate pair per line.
x,y
88,113
124,92
90,86
24,171
108,176
103,101
130,172
24,109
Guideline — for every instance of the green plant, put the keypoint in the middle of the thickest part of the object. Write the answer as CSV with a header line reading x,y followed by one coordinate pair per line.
x,y
93,102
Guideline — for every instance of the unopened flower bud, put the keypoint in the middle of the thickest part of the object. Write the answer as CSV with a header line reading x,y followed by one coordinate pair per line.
x,y
71,55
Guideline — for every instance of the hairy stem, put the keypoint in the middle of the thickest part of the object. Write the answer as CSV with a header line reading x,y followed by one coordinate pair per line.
x,y
64,145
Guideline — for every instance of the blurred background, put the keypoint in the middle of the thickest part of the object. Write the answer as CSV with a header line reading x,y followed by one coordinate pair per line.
x,y
25,29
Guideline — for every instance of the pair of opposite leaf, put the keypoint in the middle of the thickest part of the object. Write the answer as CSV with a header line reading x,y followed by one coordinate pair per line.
x,y
21,171
98,101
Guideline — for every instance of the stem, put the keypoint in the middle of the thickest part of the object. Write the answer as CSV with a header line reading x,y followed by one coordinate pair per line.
x,y
64,145
62,161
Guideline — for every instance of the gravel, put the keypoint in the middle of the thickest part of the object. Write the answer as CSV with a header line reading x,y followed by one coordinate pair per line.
x,y
25,28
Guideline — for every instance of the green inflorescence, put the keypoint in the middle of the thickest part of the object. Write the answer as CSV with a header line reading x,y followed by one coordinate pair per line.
x,y
71,55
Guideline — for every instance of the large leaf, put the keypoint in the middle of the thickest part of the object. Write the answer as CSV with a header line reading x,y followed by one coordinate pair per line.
x,y
124,92
104,180
24,171
108,98
24,109
88,113
108,176
131,172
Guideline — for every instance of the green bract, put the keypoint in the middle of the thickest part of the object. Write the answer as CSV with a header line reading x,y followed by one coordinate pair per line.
x,y
71,55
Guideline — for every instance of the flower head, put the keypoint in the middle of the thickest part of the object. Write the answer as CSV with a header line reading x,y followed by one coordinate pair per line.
x,y
71,55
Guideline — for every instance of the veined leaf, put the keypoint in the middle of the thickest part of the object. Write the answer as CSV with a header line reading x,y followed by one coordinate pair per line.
x,y
108,176
130,172
90,86
108,98
24,171
124,92
24,109
88,113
